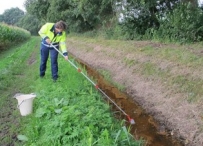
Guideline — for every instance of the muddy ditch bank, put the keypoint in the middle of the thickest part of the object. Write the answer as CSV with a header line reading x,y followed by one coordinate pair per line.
x,y
145,127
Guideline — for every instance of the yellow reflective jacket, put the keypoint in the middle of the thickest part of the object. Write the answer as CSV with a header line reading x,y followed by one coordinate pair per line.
x,y
47,31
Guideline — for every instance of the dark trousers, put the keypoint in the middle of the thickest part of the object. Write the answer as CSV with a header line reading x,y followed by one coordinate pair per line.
x,y
54,60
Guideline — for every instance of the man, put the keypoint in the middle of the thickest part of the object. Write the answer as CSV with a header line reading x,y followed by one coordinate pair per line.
x,y
52,33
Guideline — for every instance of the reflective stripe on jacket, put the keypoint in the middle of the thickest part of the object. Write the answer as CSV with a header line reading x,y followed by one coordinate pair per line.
x,y
47,31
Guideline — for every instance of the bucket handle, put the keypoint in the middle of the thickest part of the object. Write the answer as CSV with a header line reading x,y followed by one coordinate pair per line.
x,y
18,106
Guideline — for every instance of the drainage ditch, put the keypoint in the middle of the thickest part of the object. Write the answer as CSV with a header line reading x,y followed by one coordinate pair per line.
x,y
145,126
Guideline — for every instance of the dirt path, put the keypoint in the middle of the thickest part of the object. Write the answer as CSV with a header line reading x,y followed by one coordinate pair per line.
x,y
163,102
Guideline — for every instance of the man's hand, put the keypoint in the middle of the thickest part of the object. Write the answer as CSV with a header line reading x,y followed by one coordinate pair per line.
x,y
48,41
66,57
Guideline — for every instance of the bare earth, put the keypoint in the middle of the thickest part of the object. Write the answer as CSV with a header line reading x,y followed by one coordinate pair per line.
x,y
163,103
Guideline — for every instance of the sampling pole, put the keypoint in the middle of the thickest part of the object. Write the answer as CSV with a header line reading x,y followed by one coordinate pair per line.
x,y
96,86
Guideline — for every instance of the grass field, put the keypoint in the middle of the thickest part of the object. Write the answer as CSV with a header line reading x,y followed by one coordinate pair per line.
x,y
68,112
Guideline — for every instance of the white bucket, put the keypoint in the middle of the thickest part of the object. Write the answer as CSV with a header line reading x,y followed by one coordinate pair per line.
x,y
25,103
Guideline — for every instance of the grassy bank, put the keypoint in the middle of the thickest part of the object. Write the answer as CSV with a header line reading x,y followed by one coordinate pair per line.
x,y
165,79
68,112
178,67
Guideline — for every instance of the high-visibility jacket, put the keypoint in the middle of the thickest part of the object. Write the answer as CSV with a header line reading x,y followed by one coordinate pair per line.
x,y
47,31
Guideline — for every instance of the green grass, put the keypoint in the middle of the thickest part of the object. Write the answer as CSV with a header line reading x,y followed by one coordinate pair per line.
x,y
13,67
68,112
71,111
129,62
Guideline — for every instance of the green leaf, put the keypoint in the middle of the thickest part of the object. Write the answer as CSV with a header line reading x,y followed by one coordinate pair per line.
x,y
58,111
117,135
40,112
126,133
22,138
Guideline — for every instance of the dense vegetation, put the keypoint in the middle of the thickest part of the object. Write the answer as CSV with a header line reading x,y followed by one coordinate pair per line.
x,y
68,112
163,20
12,35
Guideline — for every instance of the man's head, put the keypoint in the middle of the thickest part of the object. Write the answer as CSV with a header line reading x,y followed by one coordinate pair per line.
x,y
60,26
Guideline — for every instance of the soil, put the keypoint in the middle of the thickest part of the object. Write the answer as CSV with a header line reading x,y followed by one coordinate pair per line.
x,y
8,121
142,125
162,103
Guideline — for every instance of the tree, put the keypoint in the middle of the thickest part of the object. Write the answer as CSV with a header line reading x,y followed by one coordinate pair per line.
x,y
12,16
30,23
81,15
1,18
38,8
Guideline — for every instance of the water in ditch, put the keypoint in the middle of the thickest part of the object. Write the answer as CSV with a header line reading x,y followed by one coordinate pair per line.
x,y
145,126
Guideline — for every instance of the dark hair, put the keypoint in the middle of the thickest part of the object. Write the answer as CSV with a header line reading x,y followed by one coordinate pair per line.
x,y
61,25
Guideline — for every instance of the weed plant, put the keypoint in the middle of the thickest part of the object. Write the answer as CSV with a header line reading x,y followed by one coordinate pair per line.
x,y
72,112
69,112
